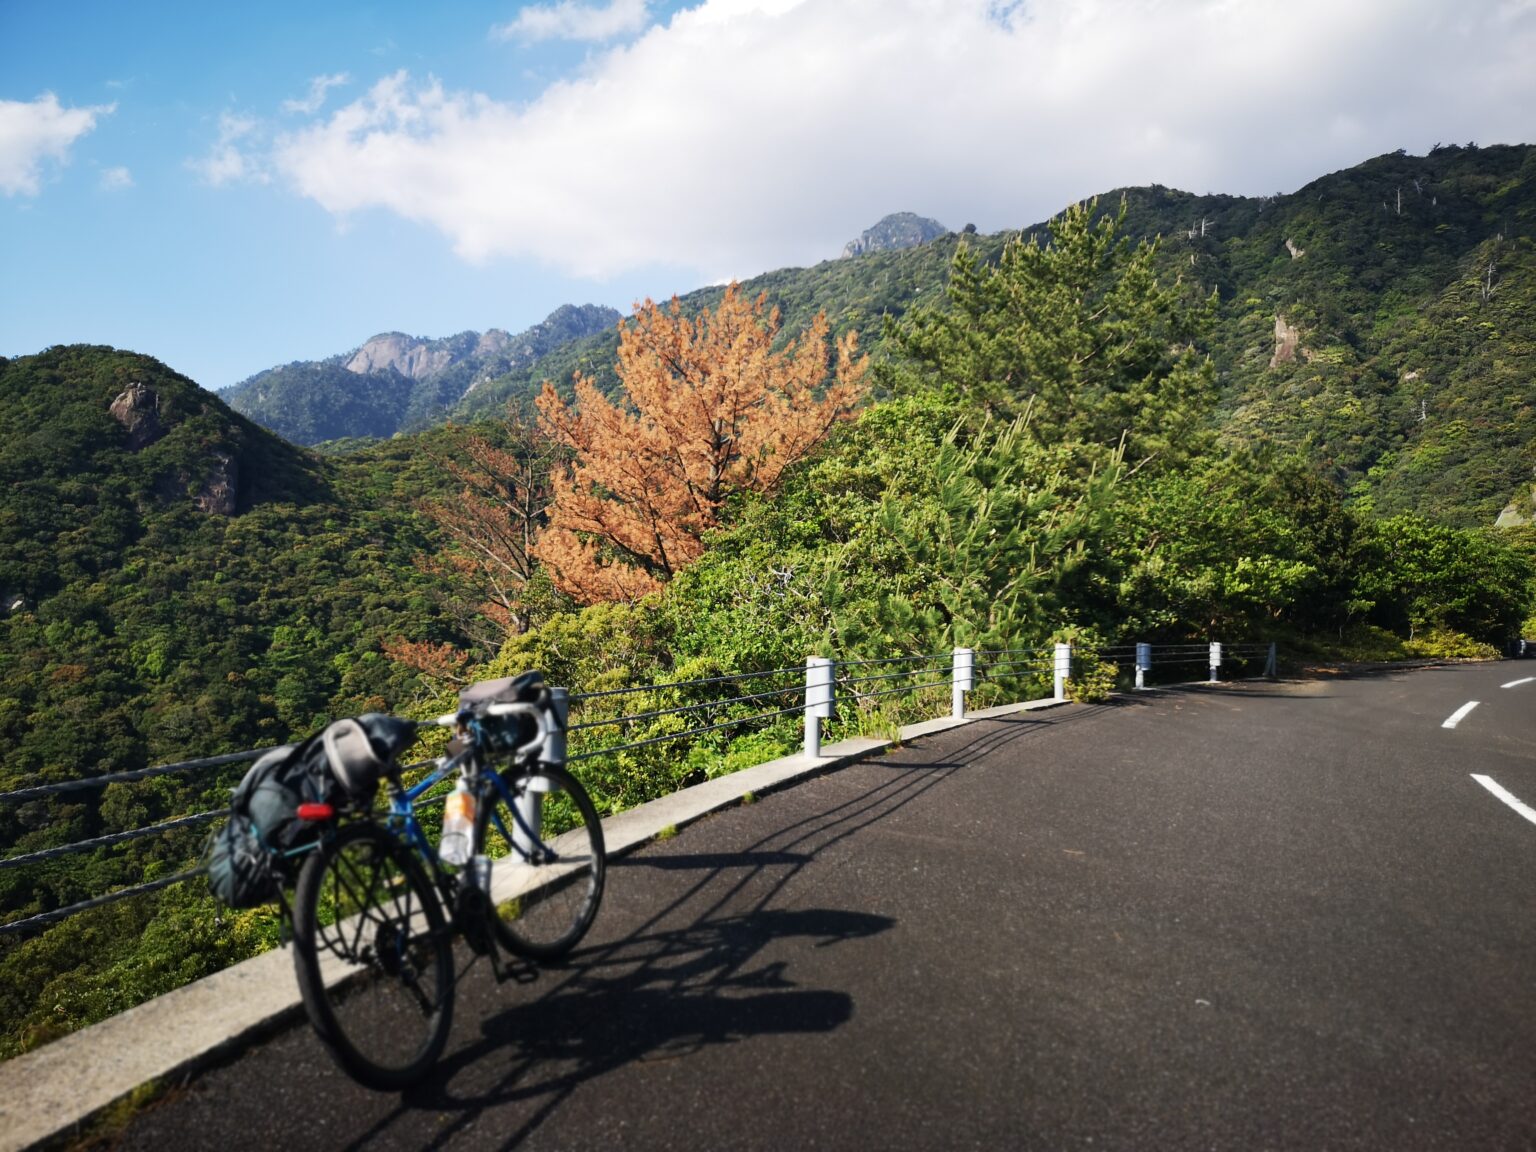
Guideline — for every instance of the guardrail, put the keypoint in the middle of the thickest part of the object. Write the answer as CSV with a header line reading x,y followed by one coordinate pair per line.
x,y
816,689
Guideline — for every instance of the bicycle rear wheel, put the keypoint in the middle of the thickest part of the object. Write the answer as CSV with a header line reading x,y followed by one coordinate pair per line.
x,y
374,958
548,880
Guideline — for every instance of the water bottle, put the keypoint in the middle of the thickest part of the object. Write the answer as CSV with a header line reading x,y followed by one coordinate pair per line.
x,y
458,825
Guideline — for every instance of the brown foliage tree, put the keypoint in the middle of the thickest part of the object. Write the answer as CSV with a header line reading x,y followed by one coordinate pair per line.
x,y
490,526
712,408
439,663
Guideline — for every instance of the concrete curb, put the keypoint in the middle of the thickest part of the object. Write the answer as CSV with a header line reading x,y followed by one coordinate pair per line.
x,y
59,1088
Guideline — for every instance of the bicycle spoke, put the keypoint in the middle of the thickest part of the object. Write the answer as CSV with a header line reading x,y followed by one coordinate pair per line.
x,y
385,1021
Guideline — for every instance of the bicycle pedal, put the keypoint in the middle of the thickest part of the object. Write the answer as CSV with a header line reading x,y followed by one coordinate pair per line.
x,y
518,971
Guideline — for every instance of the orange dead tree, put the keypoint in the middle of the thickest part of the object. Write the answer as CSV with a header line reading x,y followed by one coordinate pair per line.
x,y
712,408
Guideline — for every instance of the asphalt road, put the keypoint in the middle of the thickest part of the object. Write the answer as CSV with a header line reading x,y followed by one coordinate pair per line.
x,y
1249,917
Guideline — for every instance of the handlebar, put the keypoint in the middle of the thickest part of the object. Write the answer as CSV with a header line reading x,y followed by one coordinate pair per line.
x,y
462,718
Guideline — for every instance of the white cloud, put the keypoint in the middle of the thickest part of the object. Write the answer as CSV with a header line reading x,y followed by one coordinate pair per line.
x,y
34,132
116,179
749,134
569,20
315,100
236,155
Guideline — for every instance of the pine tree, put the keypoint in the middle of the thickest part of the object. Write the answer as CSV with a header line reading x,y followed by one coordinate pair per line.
x,y
1079,331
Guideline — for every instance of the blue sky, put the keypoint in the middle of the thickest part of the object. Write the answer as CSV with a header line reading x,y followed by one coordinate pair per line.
x,y
229,187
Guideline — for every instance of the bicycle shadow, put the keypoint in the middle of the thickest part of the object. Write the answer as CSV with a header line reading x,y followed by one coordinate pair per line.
x,y
664,995
675,992
669,992
666,991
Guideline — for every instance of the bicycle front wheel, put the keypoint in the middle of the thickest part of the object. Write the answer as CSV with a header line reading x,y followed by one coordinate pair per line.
x,y
547,845
374,957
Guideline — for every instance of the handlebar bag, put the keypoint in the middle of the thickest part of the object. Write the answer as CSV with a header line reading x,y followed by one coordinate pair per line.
x,y
524,688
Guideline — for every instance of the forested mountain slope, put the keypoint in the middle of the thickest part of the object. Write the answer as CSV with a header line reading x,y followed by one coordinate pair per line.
x,y
177,580
1398,295
1381,319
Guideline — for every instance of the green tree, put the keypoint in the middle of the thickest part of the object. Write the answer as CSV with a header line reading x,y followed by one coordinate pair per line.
x,y
1233,544
1081,331
1422,576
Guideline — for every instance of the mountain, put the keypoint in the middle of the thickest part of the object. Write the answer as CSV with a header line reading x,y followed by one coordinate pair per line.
x,y
898,230
175,578
395,382
175,581
1380,320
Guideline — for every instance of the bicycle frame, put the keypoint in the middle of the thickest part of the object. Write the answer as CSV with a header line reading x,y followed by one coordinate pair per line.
x,y
402,810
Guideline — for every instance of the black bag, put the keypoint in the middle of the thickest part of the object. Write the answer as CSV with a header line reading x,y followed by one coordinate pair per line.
x,y
256,851
247,861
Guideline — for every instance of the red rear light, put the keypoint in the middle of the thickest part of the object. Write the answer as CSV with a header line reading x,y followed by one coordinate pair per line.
x,y
316,812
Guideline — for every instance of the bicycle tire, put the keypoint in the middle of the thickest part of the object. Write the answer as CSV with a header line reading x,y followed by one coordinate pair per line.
x,y
363,901
544,898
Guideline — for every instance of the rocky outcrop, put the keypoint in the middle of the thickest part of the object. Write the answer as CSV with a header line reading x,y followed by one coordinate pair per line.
x,y
899,230
566,323
410,356
1296,253
220,488
1518,512
1287,343
394,381
137,409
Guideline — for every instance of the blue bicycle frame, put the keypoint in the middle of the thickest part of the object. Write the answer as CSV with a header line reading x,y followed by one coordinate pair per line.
x,y
402,809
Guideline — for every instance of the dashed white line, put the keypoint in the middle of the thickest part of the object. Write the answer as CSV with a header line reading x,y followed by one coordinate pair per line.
x,y
1524,809
1459,715
1517,683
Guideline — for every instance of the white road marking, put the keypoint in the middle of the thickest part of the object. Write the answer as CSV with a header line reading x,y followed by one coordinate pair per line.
x,y
1517,683
1459,715
1524,809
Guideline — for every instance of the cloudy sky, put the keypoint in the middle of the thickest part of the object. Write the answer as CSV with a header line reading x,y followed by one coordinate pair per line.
x,y
230,187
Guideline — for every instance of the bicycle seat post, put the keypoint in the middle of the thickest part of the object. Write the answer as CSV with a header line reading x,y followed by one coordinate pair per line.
x,y
530,801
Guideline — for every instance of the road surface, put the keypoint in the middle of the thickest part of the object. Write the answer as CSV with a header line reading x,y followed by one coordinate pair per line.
x,y
1244,917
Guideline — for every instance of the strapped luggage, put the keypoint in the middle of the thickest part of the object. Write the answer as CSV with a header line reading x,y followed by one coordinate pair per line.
x,y
257,850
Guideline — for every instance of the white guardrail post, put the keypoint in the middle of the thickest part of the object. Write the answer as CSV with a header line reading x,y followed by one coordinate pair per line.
x,y
1063,669
818,701
1215,662
962,679
1143,663
531,803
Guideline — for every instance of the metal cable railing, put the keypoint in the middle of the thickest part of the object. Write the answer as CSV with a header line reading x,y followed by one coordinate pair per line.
x,y
111,839
44,919
681,709
875,679
578,697
904,674
102,781
850,685
662,739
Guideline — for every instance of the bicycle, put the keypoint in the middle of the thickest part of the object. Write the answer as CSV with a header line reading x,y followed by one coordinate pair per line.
x,y
375,908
